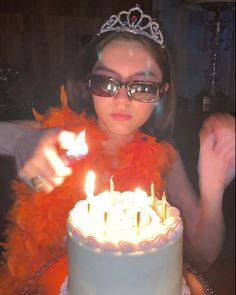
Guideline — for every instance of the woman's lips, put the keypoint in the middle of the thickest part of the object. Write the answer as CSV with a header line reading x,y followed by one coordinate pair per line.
x,y
121,116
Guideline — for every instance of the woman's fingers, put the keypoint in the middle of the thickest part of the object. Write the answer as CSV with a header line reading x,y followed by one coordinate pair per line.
x,y
217,150
46,162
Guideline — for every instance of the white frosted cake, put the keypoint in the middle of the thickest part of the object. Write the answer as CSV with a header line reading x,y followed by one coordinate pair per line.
x,y
124,244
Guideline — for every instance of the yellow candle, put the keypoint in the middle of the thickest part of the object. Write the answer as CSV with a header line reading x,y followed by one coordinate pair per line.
x,y
89,207
105,222
90,184
153,196
112,190
164,206
105,217
138,216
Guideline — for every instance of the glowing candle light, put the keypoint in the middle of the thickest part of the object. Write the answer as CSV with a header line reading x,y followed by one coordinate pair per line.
x,y
90,184
79,149
140,193
141,196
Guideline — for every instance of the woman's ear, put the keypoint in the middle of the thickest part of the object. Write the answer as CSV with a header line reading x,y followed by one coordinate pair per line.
x,y
166,88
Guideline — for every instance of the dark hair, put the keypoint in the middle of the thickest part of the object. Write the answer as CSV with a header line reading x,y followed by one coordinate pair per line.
x,y
160,123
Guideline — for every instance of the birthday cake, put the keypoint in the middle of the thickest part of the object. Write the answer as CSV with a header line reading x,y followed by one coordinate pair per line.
x,y
125,243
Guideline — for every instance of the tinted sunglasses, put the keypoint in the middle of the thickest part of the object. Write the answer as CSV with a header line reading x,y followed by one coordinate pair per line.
x,y
137,90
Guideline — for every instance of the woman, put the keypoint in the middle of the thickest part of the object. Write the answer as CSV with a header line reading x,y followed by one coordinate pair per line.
x,y
122,89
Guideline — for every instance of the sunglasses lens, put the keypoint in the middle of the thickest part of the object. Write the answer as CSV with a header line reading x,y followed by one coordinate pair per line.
x,y
102,86
108,87
144,92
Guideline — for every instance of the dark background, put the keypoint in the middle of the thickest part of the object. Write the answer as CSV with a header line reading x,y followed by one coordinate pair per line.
x,y
37,37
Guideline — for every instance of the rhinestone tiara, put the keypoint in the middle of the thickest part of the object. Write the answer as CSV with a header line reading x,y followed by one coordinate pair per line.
x,y
136,22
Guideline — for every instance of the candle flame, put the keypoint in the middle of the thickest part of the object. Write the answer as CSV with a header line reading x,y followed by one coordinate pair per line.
x,y
90,184
140,192
80,148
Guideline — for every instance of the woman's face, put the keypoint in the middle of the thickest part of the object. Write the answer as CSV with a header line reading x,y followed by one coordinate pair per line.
x,y
125,61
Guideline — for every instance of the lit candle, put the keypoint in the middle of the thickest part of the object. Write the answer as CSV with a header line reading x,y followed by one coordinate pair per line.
x,y
89,188
90,184
88,207
112,190
138,216
164,206
105,217
105,222
79,149
153,201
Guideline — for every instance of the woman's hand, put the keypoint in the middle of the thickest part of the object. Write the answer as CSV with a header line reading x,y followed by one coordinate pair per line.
x,y
43,166
217,154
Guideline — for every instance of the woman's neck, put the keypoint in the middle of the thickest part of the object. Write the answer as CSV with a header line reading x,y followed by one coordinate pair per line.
x,y
115,141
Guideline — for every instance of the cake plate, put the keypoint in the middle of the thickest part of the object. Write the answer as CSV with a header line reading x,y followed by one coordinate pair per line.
x,y
195,281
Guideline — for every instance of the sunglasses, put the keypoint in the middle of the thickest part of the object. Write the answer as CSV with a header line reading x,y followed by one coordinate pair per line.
x,y
137,90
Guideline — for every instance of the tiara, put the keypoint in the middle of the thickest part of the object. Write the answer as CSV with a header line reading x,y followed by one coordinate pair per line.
x,y
136,22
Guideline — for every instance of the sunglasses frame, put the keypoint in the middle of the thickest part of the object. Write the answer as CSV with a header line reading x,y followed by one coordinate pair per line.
x,y
127,85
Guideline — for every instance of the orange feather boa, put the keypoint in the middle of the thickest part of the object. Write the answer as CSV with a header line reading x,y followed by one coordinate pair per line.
x,y
37,229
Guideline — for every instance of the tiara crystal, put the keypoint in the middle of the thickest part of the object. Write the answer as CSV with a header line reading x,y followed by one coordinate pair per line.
x,y
136,22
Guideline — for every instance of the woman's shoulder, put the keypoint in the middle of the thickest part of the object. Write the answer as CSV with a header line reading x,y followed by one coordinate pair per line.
x,y
166,139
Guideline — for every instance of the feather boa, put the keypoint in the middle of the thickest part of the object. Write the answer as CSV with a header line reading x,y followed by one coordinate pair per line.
x,y
37,229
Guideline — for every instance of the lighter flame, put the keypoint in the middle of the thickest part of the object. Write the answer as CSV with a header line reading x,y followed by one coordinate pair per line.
x,y
90,184
80,147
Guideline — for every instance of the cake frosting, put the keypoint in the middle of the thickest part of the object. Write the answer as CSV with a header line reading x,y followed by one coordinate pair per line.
x,y
124,243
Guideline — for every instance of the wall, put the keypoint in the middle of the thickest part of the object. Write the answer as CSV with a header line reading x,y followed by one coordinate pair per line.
x,y
184,26
39,37
36,34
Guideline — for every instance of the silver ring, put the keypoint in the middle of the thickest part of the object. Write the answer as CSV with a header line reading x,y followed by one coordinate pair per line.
x,y
37,182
